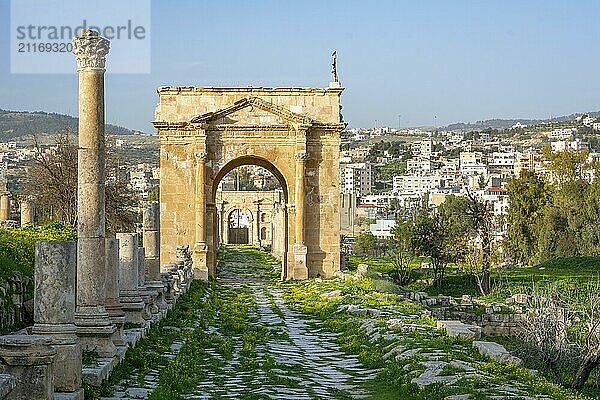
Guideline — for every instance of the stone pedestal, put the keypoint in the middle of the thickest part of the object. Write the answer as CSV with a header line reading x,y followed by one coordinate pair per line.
x,y
54,310
29,358
94,326
200,261
112,302
131,302
169,282
300,267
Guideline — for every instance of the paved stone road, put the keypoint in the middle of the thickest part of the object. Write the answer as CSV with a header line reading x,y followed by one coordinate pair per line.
x,y
308,362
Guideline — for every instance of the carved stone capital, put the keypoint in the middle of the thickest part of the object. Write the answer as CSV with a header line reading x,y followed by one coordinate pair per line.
x,y
201,157
90,49
302,156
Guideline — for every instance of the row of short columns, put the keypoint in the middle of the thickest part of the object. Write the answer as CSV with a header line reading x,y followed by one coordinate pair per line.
x,y
48,361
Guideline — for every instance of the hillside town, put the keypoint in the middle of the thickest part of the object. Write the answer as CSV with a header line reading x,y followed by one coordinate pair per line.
x,y
385,172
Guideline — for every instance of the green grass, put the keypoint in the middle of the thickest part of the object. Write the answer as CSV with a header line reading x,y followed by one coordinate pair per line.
x,y
506,281
393,381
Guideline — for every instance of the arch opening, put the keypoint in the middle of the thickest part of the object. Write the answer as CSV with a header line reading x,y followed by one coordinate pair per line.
x,y
250,199
245,161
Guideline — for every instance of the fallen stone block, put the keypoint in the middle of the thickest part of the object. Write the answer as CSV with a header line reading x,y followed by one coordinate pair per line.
x,y
395,323
361,271
497,352
432,375
408,354
459,329
332,294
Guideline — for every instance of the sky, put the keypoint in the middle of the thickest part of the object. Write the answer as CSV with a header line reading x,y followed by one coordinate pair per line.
x,y
411,63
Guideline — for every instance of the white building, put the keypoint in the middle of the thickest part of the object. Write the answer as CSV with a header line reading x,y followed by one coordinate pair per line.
x,y
423,148
471,163
502,159
382,228
417,165
588,121
563,134
416,183
563,145
356,178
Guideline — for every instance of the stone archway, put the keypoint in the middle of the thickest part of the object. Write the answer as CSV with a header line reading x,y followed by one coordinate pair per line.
x,y
294,133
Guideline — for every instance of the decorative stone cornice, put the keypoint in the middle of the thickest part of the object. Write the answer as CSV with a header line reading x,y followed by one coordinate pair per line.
x,y
167,125
90,50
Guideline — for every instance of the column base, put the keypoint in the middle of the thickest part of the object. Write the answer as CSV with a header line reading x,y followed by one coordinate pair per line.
x,y
76,395
95,330
160,288
67,362
300,269
117,317
29,358
133,307
149,297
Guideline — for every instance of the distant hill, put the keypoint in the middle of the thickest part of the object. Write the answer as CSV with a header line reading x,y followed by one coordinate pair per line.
x,y
16,124
507,123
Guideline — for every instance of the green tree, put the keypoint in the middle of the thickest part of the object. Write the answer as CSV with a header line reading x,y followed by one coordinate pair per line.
x,y
365,244
439,235
401,251
528,195
481,226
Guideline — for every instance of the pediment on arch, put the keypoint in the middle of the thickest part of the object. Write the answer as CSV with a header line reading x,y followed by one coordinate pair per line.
x,y
252,111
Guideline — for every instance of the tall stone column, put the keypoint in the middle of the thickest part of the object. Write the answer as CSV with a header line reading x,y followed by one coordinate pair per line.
x,y
300,250
300,167
224,224
94,326
4,197
26,212
258,238
112,303
200,249
131,302
54,310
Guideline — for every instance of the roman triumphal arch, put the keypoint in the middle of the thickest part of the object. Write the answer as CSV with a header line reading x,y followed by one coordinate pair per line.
x,y
205,132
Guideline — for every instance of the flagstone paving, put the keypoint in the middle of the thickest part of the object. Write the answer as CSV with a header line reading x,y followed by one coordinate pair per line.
x,y
300,361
